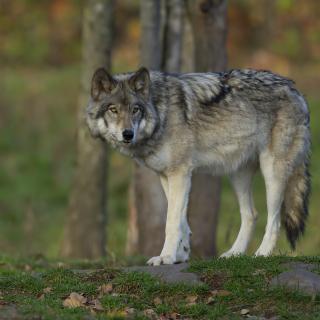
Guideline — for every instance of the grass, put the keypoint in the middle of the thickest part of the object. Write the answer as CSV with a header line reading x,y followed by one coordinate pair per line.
x,y
240,283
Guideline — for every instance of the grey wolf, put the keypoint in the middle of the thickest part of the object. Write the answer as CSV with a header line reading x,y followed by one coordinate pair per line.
x,y
225,123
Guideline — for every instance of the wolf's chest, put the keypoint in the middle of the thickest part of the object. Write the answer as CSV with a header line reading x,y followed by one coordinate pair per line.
x,y
158,161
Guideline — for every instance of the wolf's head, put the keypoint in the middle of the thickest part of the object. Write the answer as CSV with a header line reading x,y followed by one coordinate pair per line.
x,y
120,109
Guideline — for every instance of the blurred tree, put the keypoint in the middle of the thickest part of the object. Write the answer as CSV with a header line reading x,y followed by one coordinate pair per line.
x,y
85,226
173,35
209,26
147,202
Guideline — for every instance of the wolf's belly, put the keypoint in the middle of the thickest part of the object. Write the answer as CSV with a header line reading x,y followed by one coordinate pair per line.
x,y
224,159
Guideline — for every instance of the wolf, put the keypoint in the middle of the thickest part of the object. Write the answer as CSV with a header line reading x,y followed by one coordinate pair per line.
x,y
228,123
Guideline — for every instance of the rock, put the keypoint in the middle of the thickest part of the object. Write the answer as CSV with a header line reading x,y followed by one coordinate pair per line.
x,y
172,273
9,312
298,279
299,265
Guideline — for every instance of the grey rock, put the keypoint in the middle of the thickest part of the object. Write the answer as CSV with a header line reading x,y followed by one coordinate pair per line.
x,y
300,265
9,312
173,273
298,279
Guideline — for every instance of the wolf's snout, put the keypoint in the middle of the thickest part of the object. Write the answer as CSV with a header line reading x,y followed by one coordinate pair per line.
x,y
127,134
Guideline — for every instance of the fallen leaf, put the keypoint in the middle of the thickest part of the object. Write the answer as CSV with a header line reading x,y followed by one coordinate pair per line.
x,y
149,313
74,300
129,310
191,300
211,300
174,316
27,267
105,288
96,304
157,301
244,311
41,296
220,293
47,290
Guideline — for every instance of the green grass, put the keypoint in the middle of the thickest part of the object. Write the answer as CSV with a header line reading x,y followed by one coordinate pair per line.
x,y
37,141
243,280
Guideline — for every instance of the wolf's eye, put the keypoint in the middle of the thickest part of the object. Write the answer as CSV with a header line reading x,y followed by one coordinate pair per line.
x,y
135,109
112,109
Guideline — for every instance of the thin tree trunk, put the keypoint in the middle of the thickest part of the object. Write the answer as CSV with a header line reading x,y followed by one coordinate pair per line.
x,y
173,35
209,25
86,219
147,210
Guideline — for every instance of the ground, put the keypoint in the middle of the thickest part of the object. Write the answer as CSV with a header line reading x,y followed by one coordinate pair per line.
x,y
234,288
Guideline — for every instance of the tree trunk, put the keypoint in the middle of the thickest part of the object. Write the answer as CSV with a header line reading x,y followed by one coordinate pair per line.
x,y
173,35
208,20
209,23
86,219
147,205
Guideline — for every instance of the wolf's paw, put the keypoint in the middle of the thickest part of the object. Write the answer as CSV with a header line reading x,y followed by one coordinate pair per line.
x,y
157,261
263,253
231,253
183,252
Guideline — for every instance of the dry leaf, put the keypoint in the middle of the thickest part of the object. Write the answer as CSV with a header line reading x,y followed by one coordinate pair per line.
x,y
47,290
105,288
210,300
191,300
129,310
220,293
149,313
157,301
41,296
27,267
96,304
244,311
174,316
74,300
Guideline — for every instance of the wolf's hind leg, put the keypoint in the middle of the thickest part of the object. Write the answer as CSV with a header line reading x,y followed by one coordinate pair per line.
x,y
275,181
242,184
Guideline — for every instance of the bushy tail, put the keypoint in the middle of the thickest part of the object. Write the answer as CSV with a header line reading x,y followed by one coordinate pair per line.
x,y
295,204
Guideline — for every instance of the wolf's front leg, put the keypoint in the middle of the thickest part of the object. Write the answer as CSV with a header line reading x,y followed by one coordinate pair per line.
x,y
178,188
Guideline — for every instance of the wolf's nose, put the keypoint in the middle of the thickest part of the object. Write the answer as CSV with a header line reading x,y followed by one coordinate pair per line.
x,y
127,134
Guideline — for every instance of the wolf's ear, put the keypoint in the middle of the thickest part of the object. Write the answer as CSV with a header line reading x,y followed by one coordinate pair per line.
x,y
102,81
140,81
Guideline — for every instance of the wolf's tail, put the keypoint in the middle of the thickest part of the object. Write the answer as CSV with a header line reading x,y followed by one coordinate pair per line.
x,y
295,204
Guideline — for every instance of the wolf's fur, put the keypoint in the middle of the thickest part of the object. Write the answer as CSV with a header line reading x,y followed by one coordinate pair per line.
x,y
225,123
